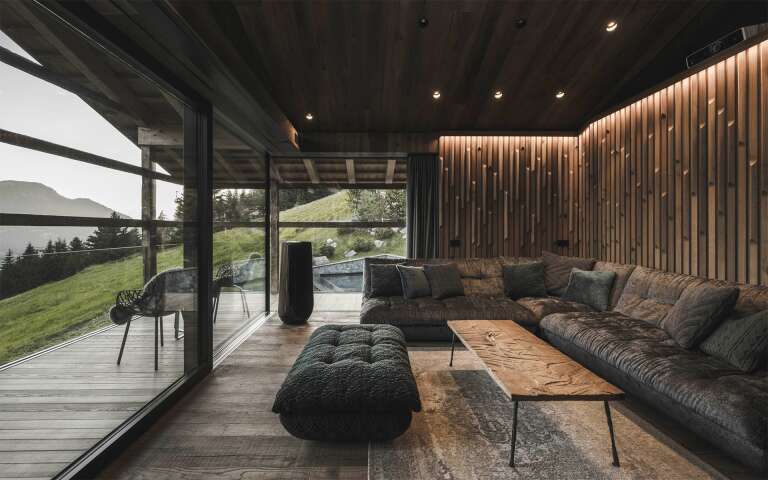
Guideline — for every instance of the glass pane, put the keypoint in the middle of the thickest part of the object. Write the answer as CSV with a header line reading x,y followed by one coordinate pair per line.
x,y
239,256
327,204
111,301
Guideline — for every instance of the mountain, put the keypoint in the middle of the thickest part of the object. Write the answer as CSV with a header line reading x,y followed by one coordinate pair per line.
x,y
38,199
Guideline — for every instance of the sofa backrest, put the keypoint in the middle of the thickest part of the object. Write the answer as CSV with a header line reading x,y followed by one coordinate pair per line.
x,y
650,294
622,272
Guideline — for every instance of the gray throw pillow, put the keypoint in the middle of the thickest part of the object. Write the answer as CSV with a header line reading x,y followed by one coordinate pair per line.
x,y
557,270
444,280
414,282
385,281
524,280
590,288
697,312
742,342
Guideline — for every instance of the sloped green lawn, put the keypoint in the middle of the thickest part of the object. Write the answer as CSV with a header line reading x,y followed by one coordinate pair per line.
x,y
57,311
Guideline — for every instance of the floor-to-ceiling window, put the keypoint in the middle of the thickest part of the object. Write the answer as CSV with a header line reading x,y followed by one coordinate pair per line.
x,y
101,236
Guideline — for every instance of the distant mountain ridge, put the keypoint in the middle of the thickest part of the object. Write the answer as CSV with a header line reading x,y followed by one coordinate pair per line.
x,y
39,199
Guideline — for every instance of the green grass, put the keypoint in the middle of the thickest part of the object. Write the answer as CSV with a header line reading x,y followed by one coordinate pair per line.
x,y
57,311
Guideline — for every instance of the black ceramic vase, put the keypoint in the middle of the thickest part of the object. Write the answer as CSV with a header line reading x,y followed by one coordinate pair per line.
x,y
296,295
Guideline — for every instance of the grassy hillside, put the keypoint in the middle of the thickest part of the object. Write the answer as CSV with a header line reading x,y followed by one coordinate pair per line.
x,y
57,311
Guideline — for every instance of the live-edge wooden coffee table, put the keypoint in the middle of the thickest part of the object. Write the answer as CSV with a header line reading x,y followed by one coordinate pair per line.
x,y
529,369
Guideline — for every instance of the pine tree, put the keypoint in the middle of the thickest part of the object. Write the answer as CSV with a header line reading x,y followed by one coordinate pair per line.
x,y
8,275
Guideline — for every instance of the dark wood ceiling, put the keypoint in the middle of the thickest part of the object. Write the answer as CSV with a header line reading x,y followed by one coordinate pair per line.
x,y
368,66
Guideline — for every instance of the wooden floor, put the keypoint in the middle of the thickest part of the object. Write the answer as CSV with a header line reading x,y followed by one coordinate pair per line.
x,y
225,429
55,406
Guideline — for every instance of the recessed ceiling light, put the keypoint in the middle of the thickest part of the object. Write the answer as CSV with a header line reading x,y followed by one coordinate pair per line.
x,y
559,94
309,116
436,94
611,26
498,94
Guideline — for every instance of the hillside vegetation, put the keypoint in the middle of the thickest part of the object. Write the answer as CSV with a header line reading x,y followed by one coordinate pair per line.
x,y
57,311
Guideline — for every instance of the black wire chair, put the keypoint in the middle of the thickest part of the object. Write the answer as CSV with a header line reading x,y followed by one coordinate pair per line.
x,y
230,275
169,292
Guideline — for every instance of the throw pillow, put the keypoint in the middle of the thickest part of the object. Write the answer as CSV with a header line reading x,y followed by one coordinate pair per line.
x,y
524,280
414,282
590,288
742,342
385,281
697,312
444,280
557,270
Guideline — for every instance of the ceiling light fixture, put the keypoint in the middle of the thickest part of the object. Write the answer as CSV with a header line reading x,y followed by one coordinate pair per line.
x,y
309,116
436,94
611,26
498,94
559,94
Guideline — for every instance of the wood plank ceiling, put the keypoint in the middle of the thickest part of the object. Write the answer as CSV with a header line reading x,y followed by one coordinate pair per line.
x,y
368,66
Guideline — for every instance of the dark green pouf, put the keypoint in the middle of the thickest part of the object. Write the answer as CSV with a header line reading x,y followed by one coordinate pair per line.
x,y
350,383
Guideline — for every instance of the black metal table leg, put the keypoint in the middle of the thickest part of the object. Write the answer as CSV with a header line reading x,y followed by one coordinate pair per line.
x,y
122,345
453,345
514,434
610,430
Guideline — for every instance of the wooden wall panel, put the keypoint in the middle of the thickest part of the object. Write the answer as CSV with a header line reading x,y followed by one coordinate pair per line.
x,y
680,177
507,195
677,181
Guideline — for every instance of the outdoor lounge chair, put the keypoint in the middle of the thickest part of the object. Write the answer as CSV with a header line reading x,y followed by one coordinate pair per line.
x,y
170,292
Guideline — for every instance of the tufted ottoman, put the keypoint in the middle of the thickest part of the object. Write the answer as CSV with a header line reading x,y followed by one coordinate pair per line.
x,y
350,383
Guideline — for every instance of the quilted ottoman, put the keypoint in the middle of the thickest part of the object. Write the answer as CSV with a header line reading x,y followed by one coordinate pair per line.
x,y
350,383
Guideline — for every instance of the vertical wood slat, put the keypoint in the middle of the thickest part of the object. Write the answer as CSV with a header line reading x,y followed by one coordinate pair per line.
x,y
677,180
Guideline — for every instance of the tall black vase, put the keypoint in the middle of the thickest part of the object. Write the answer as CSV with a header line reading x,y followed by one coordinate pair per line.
x,y
296,295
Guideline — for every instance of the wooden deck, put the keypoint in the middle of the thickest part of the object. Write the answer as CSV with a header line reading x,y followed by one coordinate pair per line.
x,y
55,406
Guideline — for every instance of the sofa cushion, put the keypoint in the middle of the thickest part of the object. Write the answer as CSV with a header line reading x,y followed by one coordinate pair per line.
x,y
367,262
590,288
481,276
742,342
414,280
524,280
557,270
543,306
385,281
444,280
710,387
697,312
428,311
622,272
650,294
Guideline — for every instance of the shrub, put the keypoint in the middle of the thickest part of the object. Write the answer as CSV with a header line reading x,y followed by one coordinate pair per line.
x,y
383,233
362,245
326,250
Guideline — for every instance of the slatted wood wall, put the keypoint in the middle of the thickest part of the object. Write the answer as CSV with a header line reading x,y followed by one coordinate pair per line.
x,y
677,181
505,195
680,178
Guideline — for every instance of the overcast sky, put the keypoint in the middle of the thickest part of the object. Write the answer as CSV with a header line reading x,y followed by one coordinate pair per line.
x,y
39,109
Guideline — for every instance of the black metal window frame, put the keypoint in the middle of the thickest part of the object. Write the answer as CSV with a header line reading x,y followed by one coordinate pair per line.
x,y
198,151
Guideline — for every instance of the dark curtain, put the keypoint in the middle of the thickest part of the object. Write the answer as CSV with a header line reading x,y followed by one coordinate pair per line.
x,y
422,198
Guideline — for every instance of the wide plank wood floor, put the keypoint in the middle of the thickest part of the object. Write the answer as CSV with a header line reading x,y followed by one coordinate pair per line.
x,y
55,406
225,429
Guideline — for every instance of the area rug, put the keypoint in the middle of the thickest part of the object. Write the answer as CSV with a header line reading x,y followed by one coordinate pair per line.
x,y
463,433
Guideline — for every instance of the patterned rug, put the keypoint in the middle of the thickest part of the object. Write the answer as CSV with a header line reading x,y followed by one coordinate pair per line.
x,y
463,433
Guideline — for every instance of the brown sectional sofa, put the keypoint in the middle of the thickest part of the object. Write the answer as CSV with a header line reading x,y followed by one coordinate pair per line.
x,y
626,345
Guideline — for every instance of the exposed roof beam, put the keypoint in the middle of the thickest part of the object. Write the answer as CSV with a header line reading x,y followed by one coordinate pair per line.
x,y
309,164
97,72
224,165
390,171
173,136
351,170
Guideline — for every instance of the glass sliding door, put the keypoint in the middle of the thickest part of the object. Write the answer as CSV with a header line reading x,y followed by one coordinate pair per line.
x,y
101,237
239,247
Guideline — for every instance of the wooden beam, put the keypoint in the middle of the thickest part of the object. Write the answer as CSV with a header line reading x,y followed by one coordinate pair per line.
x,y
173,136
27,220
96,70
24,141
20,63
341,155
350,170
309,164
148,213
390,171
224,165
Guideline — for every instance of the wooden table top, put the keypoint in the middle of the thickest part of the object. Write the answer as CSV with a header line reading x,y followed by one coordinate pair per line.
x,y
528,368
